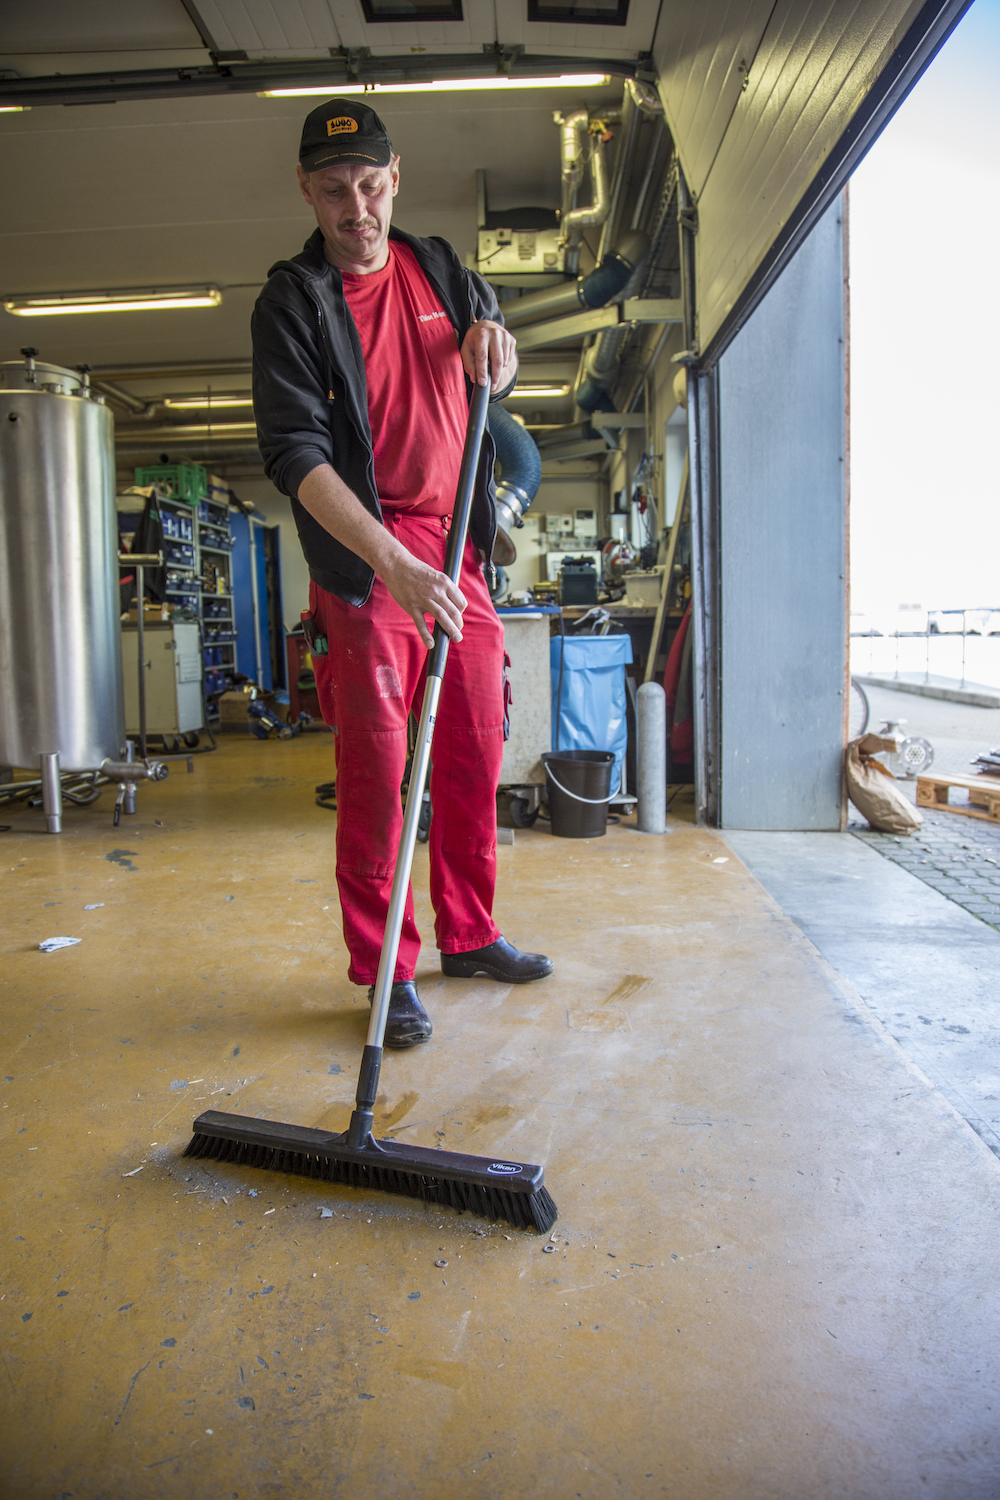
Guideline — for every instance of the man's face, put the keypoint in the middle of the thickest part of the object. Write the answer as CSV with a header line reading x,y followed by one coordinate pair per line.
x,y
353,207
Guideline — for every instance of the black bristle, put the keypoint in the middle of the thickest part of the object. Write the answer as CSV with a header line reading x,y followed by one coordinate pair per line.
x,y
534,1210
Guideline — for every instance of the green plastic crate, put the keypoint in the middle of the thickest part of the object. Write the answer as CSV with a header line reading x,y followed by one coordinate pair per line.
x,y
177,481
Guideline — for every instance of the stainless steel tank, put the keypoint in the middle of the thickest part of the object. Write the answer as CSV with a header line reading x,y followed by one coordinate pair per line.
x,y
60,642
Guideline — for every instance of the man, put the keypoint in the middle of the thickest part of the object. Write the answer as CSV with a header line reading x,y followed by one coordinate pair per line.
x,y
363,347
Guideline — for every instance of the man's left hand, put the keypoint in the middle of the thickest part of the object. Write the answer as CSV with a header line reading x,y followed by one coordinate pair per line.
x,y
489,354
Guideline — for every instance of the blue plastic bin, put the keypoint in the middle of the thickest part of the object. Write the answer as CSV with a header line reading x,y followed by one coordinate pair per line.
x,y
589,712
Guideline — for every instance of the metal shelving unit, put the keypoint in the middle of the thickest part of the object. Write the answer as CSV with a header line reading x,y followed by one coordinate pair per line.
x,y
218,626
198,543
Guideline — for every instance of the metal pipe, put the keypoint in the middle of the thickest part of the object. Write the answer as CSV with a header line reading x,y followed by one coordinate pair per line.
x,y
551,302
131,770
51,791
140,562
579,219
623,159
179,369
571,129
174,432
129,787
134,404
140,625
651,758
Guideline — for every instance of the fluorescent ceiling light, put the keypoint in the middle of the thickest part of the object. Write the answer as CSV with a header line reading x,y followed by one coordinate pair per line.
x,y
442,85
133,431
134,300
539,390
14,109
213,398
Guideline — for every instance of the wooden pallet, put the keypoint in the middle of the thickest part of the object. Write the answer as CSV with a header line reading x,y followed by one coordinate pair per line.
x,y
984,795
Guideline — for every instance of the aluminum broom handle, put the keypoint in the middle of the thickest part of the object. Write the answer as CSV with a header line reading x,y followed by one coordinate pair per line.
x,y
360,1131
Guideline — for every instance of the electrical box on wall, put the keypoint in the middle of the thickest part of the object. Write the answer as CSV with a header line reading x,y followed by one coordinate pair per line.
x,y
585,523
519,252
560,523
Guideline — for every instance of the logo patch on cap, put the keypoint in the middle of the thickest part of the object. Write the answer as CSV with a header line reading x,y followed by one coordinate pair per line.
x,y
342,125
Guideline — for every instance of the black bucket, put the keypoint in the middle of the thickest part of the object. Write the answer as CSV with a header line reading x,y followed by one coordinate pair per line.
x,y
579,790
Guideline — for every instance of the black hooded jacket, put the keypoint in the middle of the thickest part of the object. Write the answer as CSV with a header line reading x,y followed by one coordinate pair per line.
x,y
311,400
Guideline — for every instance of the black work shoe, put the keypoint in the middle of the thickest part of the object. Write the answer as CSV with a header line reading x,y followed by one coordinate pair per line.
x,y
497,961
408,1022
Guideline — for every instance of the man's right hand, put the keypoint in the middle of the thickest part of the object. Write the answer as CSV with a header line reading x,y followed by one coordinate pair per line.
x,y
421,590
416,587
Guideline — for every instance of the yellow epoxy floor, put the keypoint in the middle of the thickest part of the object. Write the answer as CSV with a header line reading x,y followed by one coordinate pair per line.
x,y
775,1266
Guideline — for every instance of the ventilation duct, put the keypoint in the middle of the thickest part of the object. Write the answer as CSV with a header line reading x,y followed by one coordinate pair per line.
x,y
600,287
600,371
520,476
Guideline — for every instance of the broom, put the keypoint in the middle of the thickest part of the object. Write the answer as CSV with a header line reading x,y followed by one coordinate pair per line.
x,y
494,1189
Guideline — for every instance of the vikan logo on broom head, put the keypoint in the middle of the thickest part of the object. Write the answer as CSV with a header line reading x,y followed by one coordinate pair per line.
x,y
503,1169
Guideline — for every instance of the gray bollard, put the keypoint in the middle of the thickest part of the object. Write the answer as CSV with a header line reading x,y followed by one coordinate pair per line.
x,y
651,755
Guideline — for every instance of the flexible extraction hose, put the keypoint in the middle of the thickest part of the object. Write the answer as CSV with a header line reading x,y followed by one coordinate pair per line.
x,y
520,476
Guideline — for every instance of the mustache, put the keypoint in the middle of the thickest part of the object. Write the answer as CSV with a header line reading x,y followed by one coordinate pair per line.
x,y
366,223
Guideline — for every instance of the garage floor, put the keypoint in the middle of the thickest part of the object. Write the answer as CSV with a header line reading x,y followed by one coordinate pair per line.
x,y
774,1271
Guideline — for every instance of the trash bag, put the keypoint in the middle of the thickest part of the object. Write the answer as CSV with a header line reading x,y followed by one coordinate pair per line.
x,y
872,788
588,694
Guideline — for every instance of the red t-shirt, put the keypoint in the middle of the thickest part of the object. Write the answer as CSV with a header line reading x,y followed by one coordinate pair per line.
x,y
417,404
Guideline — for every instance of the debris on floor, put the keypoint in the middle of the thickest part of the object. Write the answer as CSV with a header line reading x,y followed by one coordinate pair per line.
x,y
51,945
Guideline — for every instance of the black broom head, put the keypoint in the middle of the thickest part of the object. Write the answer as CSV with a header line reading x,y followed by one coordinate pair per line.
x,y
492,1188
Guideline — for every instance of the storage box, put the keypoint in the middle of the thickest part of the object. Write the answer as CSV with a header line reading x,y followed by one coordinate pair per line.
x,y
234,711
644,589
218,490
177,481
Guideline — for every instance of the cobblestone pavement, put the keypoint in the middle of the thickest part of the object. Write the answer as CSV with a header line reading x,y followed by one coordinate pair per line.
x,y
958,856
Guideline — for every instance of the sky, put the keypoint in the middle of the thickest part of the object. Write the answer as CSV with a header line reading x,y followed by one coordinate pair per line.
x,y
925,338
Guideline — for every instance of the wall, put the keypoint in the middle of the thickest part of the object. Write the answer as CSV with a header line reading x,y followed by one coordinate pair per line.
x,y
778,596
756,106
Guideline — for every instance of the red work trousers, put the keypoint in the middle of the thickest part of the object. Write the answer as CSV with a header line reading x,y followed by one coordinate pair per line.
x,y
368,683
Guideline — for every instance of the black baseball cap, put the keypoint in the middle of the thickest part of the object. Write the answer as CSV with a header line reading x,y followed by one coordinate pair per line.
x,y
343,130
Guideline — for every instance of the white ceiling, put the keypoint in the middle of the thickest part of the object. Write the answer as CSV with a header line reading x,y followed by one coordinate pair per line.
x,y
758,95
39,37
202,189
300,28
189,191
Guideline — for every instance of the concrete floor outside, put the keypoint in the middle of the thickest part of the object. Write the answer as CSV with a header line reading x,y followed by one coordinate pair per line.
x,y
774,1270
